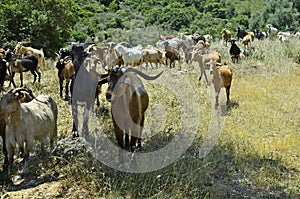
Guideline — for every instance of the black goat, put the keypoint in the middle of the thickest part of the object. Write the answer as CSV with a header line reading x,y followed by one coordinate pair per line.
x,y
259,35
234,51
240,33
2,72
24,64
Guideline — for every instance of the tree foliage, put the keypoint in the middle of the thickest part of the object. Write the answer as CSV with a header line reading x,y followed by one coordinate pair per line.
x,y
43,24
283,14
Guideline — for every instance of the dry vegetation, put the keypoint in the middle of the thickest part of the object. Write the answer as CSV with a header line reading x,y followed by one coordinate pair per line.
x,y
257,155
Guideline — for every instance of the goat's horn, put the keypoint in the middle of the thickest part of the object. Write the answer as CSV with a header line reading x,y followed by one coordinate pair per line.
x,y
86,44
143,75
28,90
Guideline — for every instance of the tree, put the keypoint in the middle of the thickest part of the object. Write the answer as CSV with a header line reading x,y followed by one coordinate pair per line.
x,y
44,24
282,14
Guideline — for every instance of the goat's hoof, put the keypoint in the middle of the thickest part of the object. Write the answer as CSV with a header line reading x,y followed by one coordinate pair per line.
x,y
75,134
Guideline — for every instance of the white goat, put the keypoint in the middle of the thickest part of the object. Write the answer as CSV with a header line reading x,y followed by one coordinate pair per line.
x,y
27,122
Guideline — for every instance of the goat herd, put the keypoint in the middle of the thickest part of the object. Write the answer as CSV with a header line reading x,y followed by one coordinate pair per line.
x,y
25,118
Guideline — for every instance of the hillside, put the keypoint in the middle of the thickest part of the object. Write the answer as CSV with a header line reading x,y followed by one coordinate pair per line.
x,y
254,155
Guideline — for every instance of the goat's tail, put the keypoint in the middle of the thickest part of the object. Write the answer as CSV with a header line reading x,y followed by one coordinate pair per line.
x,y
42,62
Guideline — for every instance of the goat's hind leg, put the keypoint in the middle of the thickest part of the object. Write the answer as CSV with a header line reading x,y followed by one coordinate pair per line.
x,y
34,76
67,97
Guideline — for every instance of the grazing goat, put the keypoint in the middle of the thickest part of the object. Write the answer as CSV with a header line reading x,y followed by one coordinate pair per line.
x,y
240,33
246,40
221,77
129,102
28,122
234,51
131,56
203,59
39,54
24,64
26,98
153,56
226,36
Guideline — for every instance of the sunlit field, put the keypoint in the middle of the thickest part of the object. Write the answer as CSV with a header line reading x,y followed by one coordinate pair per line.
x,y
255,152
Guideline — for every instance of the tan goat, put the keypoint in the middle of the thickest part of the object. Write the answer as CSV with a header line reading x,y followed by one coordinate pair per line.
x,y
203,59
226,36
221,77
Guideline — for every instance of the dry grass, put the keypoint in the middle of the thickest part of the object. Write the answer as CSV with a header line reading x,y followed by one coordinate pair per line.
x,y
257,154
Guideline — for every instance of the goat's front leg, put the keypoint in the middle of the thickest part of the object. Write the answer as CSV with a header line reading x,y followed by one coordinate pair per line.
x,y
85,126
75,120
39,74
61,88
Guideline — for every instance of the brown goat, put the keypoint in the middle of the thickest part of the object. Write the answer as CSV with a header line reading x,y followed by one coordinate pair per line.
x,y
129,102
172,54
221,77
66,72
226,36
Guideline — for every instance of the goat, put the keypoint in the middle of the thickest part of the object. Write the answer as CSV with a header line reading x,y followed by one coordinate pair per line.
x,y
259,35
240,33
272,31
3,73
129,102
234,51
100,52
247,40
203,59
24,64
27,97
172,54
208,40
83,85
39,54
27,122
153,56
221,77
131,56
66,71
226,36
165,37
196,37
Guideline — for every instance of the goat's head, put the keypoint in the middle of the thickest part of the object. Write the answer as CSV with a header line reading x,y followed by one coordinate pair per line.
x,y
117,77
78,55
9,101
